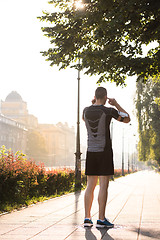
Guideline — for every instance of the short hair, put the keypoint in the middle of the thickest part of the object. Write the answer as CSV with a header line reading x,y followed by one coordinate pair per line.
x,y
100,93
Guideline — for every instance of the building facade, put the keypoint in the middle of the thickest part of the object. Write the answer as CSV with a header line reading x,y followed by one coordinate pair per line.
x,y
15,108
60,143
18,127
12,134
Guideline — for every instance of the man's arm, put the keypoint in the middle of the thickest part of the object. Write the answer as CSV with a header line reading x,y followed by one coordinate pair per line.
x,y
124,116
83,113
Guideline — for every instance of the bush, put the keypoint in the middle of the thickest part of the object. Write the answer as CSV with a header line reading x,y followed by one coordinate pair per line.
x,y
22,179
118,172
18,176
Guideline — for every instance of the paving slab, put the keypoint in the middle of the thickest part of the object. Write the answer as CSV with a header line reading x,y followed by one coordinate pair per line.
x,y
133,206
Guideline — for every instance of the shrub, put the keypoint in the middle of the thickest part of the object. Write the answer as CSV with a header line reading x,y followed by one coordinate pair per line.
x,y
118,172
18,176
22,179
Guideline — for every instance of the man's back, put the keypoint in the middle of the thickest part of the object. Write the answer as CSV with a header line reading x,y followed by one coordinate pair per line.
x,y
97,119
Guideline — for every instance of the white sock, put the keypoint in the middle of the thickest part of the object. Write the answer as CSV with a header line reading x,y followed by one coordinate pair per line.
x,y
102,220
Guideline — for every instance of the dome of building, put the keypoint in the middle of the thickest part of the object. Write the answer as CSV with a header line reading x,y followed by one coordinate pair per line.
x,y
14,97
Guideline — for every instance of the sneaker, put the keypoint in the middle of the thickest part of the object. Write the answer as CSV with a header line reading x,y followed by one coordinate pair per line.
x,y
88,222
104,223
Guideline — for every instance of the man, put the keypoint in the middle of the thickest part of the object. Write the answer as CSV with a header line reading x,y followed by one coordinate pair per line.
x,y
99,157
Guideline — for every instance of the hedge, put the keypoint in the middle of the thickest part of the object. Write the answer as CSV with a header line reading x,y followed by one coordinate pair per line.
x,y
22,179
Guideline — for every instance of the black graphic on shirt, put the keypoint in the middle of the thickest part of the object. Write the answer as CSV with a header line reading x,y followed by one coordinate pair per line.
x,y
97,120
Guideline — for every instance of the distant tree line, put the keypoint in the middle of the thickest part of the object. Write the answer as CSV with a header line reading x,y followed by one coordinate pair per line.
x,y
36,146
148,114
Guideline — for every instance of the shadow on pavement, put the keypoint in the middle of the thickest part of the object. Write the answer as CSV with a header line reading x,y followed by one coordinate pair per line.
x,y
77,195
75,219
89,235
153,234
104,235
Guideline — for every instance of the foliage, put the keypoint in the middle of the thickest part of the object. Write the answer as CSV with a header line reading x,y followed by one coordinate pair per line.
x,y
22,180
35,144
107,35
118,172
153,164
148,114
157,99
18,176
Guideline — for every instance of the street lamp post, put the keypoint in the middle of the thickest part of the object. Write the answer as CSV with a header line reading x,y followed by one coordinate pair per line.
x,y
123,152
132,161
78,152
128,151
133,157
128,158
78,5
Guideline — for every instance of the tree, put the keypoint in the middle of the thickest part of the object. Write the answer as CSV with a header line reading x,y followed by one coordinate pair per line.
x,y
157,99
148,114
107,35
36,146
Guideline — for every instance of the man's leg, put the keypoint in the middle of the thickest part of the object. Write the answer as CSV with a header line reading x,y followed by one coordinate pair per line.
x,y
103,194
89,193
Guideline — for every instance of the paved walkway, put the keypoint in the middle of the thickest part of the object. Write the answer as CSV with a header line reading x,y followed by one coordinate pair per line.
x,y
133,206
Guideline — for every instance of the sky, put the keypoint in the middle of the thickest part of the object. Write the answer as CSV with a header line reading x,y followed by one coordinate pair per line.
x,y
51,95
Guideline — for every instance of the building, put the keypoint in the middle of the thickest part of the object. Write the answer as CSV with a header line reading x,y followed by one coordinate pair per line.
x,y
12,134
57,139
15,108
60,143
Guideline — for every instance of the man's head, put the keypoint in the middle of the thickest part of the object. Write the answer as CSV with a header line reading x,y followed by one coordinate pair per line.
x,y
101,94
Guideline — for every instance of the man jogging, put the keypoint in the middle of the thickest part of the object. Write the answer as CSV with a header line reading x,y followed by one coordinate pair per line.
x,y
99,157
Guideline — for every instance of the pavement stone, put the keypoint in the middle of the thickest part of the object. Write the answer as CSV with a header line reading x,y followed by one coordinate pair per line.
x,y
133,206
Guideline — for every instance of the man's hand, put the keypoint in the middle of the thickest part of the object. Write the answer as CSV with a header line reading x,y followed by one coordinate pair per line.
x,y
112,101
93,101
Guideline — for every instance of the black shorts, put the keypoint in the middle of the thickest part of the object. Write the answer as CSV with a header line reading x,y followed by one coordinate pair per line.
x,y
99,163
